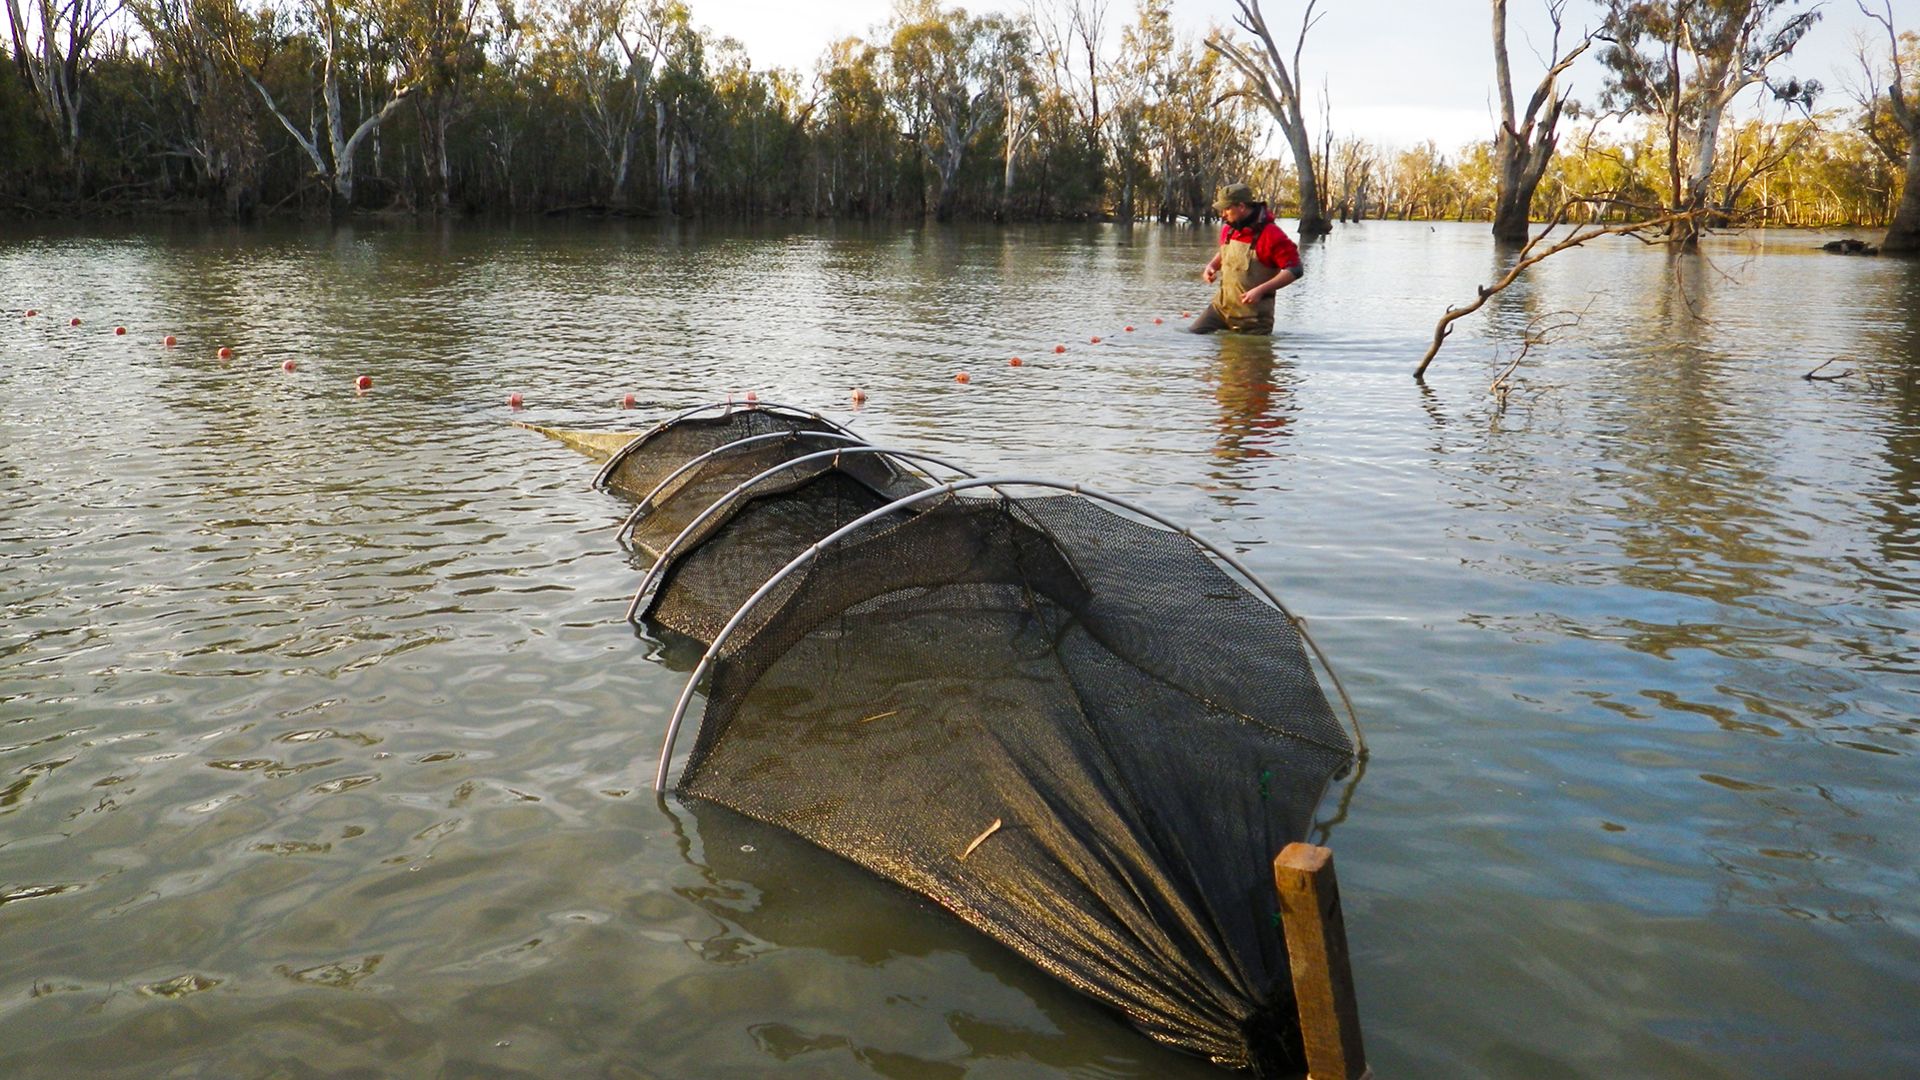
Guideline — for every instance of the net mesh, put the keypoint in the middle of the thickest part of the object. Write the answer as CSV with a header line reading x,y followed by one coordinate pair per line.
x,y
690,494
702,588
1073,730
649,459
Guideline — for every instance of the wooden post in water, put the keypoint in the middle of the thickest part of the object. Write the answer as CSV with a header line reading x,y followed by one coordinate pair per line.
x,y
1317,952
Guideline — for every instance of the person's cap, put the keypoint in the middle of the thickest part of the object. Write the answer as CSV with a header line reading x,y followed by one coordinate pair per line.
x,y
1233,193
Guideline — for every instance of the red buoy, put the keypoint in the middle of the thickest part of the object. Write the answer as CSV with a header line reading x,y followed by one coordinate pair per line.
x,y
1186,314
119,331
963,377
225,353
286,365
1128,329
1157,320
1015,362
31,312
1059,348
169,341
75,321
628,402
1095,339
753,398
858,395
514,401
364,382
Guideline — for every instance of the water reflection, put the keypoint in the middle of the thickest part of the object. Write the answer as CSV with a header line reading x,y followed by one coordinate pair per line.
x,y
322,742
1253,388
767,891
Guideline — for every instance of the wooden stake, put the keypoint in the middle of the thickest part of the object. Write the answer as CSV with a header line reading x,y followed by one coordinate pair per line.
x,y
1317,952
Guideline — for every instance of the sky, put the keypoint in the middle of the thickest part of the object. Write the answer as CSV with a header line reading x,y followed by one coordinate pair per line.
x,y
1397,71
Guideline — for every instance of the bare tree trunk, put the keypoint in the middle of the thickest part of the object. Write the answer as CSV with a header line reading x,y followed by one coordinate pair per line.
x,y
1277,86
1523,146
949,168
1903,235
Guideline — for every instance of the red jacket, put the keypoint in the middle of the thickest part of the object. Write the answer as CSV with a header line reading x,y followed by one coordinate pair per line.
x,y
1271,245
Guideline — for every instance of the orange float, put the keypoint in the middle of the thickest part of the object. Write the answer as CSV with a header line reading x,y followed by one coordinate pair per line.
x,y
364,382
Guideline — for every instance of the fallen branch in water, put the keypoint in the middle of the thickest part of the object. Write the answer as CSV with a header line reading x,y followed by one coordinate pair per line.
x,y
1815,376
1529,257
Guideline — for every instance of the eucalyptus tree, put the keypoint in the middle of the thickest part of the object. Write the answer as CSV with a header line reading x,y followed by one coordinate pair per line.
x,y
215,130
682,106
856,127
1019,108
1277,84
1069,37
1894,120
1205,131
945,80
1524,142
354,45
1681,64
443,38
1141,84
52,51
609,53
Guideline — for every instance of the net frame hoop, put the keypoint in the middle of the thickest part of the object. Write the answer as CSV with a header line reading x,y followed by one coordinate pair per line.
x,y
728,406
660,564
646,502
802,560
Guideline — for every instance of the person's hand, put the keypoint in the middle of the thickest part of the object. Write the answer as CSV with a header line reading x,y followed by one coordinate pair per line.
x,y
1207,275
1252,296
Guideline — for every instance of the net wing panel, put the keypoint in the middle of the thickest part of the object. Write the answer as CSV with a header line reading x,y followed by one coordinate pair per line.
x,y
1000,661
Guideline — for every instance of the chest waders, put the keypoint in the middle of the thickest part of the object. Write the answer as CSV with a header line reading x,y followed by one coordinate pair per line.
x,y
1240,271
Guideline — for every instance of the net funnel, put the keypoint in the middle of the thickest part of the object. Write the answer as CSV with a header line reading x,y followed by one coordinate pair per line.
x,y
683,497
1073,729
638,468
707,571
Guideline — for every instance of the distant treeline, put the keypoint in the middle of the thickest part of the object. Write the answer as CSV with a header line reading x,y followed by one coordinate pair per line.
x,y
529,106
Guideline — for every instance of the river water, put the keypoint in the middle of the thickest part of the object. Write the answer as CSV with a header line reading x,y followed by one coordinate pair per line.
x,y
324,749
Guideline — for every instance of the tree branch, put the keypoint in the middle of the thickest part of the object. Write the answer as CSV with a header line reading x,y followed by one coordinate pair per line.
x,y
1529,257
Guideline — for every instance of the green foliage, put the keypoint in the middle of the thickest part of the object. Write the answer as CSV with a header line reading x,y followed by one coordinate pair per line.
x,y
520,106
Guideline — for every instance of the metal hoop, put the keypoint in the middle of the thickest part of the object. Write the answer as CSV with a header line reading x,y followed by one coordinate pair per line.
x,y
606,471
660,563
627,522
801,560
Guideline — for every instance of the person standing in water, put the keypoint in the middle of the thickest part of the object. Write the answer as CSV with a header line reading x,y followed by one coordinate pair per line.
x,y
1256,260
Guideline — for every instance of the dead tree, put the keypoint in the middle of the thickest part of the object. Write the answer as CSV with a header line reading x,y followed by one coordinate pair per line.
x,y
1903,234
1276,83
50,46
1523,144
